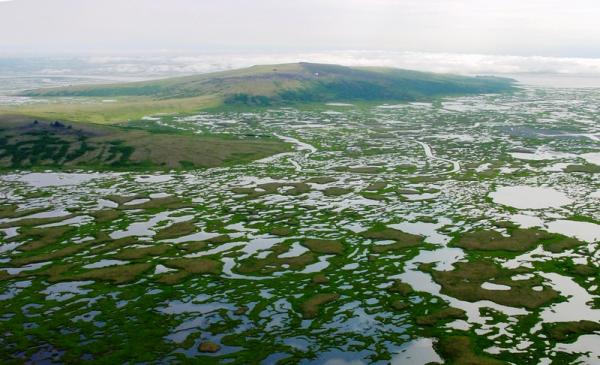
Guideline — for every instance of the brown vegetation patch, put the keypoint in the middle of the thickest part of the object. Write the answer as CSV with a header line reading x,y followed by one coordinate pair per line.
x,y
399,305
376,186
320,279
333,247
57,254
55,272
141,252
400,287
459,350
336,191
192,246
195,265
441,315
11,211
403,239
172,278
169,202
106,215
272,263
320,180
392,234
35,221
519,240
569,331
561,243
310,307
118,274
364,170
107,244
587,168
295,188
218,239
281,231
285,188
465,281
200,245
42,237
373,196
209,347
176,230
584,270
119,199
187,267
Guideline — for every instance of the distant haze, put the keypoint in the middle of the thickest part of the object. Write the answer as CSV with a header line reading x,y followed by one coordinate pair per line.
x,y
169,37
513,27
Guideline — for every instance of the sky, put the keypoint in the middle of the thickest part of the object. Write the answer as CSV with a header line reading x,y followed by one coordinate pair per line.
x,y
555,28
438,35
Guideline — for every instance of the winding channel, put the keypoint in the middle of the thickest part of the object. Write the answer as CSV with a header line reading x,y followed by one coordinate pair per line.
x,y
429,154
300,146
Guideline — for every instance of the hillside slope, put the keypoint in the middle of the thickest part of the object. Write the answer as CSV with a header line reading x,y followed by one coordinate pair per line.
x,y
28,144
293,83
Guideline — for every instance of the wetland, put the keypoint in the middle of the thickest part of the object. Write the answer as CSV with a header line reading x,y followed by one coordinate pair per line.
x,y
462,230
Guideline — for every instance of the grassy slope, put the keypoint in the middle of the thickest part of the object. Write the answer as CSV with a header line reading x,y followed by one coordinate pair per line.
x,y
94,110
275,81
24,144
254,86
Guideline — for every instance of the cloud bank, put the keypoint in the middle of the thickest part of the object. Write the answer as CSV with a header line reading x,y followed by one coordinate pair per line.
x,y
473,64
535,70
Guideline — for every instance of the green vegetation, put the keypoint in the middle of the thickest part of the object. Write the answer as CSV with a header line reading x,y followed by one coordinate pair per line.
x,y
292,275
68,143
257,86
25,143
94,110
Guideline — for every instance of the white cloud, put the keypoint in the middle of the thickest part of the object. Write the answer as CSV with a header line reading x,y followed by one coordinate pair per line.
x,y
169,62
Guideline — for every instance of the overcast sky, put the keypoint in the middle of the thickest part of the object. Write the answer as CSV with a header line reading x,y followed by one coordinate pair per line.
x,y
556,28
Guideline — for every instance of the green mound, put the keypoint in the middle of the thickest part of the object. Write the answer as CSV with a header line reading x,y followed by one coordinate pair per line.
x,y
294,83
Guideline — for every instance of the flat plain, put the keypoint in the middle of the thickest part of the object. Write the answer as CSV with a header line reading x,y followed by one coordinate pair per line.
x,y
462,230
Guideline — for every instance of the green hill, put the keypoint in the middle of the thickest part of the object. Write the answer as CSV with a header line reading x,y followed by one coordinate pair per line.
x,y
293,83
71,141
